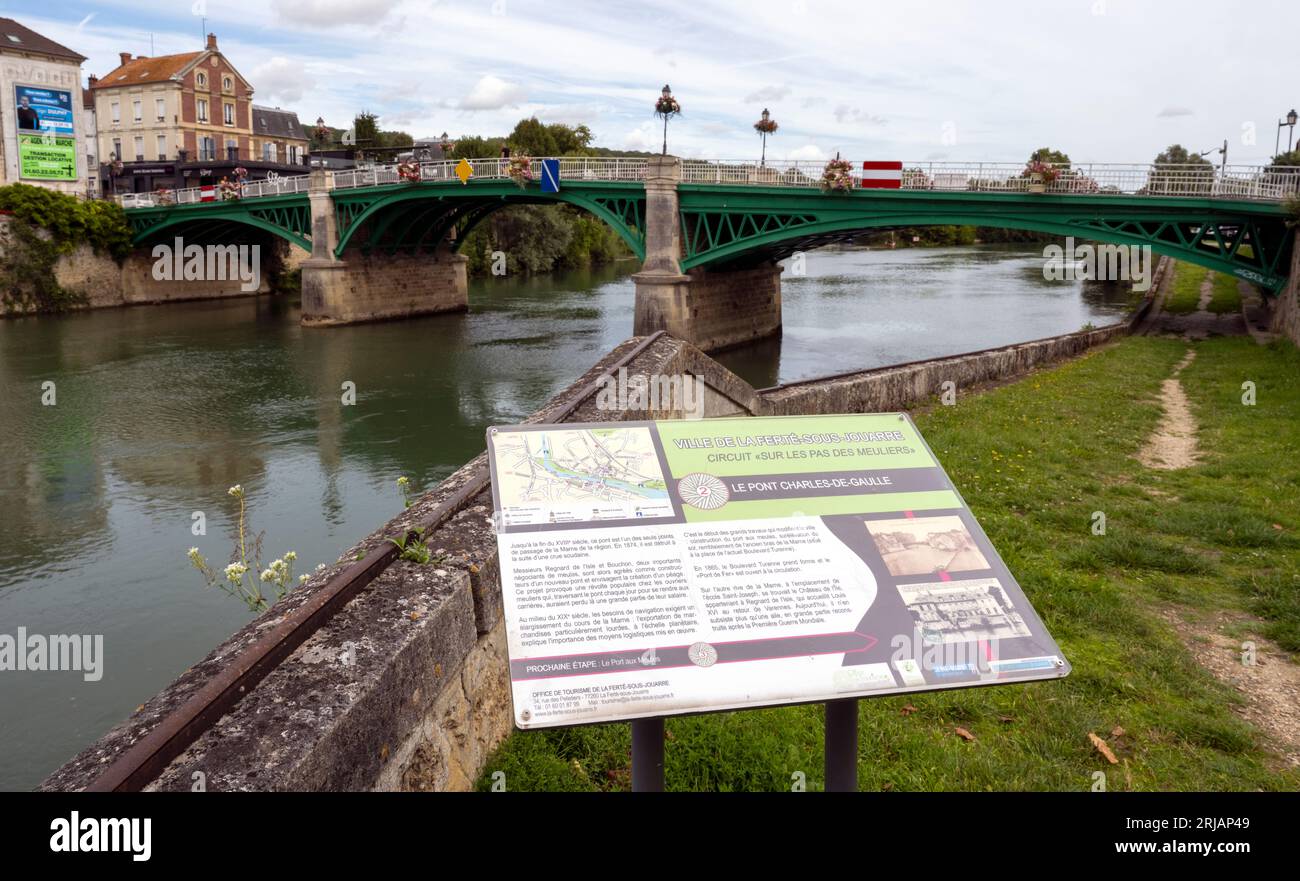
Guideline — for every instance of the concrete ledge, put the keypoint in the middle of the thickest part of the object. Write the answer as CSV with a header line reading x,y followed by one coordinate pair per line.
x,y
905,385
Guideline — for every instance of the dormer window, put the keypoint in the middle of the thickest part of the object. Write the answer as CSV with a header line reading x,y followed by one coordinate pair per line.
x,y
200,79
228,84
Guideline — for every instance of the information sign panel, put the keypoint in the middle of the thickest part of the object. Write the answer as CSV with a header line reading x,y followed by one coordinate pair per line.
x,y
660,568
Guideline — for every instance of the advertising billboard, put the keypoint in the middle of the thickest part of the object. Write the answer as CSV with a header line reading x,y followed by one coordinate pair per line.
x,y
47,139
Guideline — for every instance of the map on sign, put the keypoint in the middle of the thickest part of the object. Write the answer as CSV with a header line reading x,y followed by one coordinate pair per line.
x,y
658,568
581,475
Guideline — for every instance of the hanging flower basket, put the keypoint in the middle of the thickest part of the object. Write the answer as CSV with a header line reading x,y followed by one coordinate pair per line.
x,y
230,190
164,196
520,170
409,171
837,177
116,166
666,105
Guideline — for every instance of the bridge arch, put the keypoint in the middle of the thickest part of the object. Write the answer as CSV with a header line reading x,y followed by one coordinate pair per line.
x,y
288,218
1244,240
420,215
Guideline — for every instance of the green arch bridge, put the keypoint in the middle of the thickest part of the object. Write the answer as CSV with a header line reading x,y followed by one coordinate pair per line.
x,y
681,217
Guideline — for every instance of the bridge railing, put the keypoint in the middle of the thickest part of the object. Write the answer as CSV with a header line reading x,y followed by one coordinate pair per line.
x,y
279,186
1266,183
1269,183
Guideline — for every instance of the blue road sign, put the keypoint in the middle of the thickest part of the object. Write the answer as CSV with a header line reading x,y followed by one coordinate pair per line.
x,y
550,175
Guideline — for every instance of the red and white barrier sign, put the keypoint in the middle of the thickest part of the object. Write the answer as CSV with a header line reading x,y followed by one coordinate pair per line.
x,y
207,194
882,175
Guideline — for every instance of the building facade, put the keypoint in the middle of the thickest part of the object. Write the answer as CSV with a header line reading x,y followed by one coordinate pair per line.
x,y
278,137
41,112
183,120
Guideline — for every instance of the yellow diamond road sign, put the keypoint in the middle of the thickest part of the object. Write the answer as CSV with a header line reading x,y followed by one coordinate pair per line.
x,y
464,171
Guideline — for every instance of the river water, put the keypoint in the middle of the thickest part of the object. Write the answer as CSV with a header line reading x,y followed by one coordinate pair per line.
x,y
158,410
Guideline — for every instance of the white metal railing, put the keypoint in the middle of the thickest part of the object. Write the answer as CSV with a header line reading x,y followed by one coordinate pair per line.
x,y
1265,183
1269,183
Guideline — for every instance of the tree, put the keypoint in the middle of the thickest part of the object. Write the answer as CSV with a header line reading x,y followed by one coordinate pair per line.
x,y
476,147
531,137
1050,156
365,131
1287,160
1197,178
1177,154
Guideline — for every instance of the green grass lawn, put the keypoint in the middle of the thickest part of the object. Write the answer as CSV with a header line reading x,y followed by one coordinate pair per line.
x,y
1185,290
1034,460
1226,295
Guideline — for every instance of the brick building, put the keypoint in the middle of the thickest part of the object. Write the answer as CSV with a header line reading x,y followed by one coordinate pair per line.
x,y
183,121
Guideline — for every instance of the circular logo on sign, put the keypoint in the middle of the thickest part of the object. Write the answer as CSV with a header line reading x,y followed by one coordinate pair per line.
x,y
702,654
703,491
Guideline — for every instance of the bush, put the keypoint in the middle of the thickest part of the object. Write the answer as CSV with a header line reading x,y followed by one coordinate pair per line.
x,y
44,226
70,221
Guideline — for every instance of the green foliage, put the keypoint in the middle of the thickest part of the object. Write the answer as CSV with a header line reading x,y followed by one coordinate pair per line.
x,y
28,281
1226,296
70,221
476,147
534,138
244,576
1177,154
414,548
1047,154
1185,292
1292,207
1287,160
365,127
541,238
44,226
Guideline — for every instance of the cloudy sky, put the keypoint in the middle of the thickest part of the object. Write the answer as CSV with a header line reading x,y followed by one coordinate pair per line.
x,y
989,80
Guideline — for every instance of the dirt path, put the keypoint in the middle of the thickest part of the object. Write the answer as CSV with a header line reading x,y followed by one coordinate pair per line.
x,y
1173,444
1270,686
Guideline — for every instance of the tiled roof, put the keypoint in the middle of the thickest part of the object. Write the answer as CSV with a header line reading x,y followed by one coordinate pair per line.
x,y
147,70
18,37
276,123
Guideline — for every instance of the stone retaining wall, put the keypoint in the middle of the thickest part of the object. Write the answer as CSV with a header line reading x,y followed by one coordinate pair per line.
x,y
1286,308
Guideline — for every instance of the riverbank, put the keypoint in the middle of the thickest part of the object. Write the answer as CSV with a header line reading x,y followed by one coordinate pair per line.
x,y
253,398
1194,563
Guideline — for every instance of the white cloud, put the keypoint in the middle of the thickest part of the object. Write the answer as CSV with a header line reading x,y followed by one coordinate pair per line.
x,y
280,79
808,151
767,93
492,93
331,13
845,113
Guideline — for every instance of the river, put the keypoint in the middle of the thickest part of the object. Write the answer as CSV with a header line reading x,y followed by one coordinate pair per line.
x,y
158,410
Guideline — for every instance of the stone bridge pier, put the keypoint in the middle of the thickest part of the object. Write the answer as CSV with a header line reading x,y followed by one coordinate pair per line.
x,y
713,310
372,287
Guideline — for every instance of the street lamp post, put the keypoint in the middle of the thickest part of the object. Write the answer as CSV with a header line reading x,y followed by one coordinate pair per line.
x,y
667,107
1289,122
765,126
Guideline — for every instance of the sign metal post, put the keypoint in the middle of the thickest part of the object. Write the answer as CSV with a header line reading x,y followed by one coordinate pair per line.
x,y
841,760
648,755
